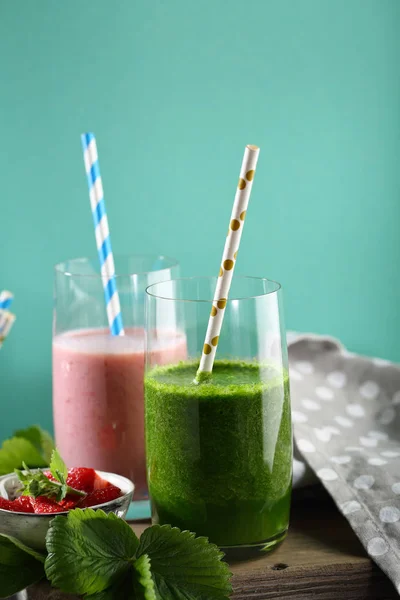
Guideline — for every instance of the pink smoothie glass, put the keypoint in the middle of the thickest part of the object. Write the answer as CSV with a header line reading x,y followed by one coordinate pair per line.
x,y
98,401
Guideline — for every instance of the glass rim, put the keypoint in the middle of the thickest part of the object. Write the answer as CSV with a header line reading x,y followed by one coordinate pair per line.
x,y
277,288
60,267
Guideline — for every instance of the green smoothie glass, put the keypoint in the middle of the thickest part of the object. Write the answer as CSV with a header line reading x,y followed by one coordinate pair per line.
x,y
219,453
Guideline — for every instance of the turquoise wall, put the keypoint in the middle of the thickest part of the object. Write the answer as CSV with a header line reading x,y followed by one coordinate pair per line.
x,y
174,90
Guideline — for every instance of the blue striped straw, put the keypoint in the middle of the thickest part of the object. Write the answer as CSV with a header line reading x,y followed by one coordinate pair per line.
x,y
6,322
102,233
6,299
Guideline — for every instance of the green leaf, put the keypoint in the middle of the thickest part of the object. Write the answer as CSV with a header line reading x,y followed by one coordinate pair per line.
x,y
32,434
143,580
17,450
58,468
121,590
184,567
137,584
40,438
19,566
38,555
47,444
35,483
88,551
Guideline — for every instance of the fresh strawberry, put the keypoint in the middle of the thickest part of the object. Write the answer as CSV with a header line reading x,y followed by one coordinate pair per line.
x,y
82,479
23,504
69,502
43,505
99,496
101,484
79,478
6,504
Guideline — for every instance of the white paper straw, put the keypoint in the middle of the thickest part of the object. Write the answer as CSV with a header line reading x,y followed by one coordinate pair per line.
x,y
229,257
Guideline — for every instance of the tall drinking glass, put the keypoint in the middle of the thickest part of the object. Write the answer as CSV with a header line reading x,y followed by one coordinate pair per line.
x,y
98,378
219,453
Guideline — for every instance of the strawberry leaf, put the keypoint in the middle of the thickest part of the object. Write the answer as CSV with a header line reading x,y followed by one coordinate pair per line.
x,y
35,553
183,566
17,450
40,438
143,580
89,551
19,566
123,589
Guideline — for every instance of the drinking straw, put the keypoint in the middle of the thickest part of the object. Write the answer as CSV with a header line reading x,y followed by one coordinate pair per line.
x,y
229,257
6,299
6,322
102,233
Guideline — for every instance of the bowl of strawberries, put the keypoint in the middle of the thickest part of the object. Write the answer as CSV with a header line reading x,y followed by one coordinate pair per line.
x,y
30,499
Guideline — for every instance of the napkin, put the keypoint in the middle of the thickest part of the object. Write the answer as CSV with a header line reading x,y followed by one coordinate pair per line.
x,y
346,414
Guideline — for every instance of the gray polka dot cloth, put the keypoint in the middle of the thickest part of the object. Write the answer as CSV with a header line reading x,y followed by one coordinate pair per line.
x,y
346,413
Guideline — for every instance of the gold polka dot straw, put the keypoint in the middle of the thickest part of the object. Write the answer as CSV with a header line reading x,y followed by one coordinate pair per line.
x,y
229,256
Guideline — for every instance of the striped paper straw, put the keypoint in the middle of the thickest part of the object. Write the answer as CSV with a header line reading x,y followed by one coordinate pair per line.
x,y
102,233
6,322
6,299
229,256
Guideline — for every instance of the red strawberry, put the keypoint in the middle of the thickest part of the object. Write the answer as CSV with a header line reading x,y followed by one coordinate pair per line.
x,y
23,504
43,505
82,479
101,484
111,492
6,504
70,502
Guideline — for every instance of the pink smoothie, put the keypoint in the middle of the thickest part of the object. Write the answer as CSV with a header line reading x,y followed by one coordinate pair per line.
x,y
98,400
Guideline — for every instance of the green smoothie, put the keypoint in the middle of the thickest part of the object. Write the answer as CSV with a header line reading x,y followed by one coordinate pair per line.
x,y
219,454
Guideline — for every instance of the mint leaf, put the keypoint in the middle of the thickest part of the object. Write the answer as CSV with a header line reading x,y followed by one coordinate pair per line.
x,y
17,450
143,580
19,566
58,467
88,550
184,567
40,438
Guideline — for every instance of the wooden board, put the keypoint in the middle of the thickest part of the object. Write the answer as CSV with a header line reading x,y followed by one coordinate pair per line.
x,y
320,559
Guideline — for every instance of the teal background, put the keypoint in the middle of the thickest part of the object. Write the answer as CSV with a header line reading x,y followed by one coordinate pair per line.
x,y
174,90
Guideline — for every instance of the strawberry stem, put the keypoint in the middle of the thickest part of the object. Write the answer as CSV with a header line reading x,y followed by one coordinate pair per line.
x,y
35,484
75,492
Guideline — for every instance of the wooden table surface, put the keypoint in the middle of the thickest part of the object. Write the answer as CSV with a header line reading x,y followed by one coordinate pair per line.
x,y
320,559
